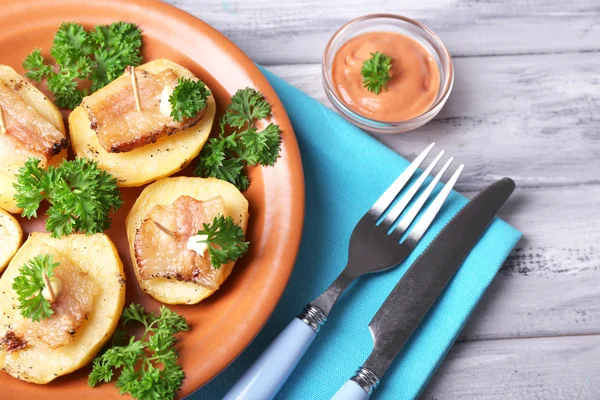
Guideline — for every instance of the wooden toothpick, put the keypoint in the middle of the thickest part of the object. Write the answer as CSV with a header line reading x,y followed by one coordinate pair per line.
x,y
164,229
49,287
2,122
136,93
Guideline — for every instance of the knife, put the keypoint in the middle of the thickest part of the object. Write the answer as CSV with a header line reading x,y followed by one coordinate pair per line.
x,y
419,288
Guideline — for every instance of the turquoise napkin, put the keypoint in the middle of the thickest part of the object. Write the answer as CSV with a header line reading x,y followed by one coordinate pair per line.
x,y
345,172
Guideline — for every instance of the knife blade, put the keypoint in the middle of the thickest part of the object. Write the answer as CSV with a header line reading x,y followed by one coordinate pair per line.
x,y
418,289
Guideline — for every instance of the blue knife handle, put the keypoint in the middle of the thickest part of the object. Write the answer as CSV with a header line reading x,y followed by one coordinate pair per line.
x,y
270,371
351,391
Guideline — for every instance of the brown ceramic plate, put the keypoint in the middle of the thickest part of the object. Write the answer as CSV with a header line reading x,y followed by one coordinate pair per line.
x,y
224,324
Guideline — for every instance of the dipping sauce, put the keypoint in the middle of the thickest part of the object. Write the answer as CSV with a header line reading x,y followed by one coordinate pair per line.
x,y
414,83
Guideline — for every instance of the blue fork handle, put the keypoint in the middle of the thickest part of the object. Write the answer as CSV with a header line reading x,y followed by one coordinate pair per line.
x,y
351,391
269,372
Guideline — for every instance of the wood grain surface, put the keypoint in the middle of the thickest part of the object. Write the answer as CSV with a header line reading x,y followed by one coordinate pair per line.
x,y
526,104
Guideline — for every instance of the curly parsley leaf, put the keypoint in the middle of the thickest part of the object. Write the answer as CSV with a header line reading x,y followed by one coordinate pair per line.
x,y
376,72
225,156
261,147
116,46
219,159
148,366
247,105
188,98
29,285
225,240
81,195
98,56
35,67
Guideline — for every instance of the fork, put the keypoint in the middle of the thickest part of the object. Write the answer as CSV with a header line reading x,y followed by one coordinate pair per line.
x,y
375,245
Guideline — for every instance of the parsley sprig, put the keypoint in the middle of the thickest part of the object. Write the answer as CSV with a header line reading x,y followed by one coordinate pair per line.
x,y
225,156
148,366
29,285
376,72
188,98
98,56
81,195
225,240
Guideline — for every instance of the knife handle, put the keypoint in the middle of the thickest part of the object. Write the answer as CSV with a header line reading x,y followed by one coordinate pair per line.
x,y
269,372
351,391
359,387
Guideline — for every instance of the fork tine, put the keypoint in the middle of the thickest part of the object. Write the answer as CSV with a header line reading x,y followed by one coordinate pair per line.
x,y
395,212
421,227
390,194
416,207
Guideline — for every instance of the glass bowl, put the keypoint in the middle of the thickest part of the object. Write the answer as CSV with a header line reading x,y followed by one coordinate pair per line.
x,y
404,26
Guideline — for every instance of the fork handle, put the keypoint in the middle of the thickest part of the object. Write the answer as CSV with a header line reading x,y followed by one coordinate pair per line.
x,y
351,391
269,372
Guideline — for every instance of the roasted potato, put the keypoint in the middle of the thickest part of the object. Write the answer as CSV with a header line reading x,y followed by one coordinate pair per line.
x,y
169,154
164,192
95,256
12,157
11,236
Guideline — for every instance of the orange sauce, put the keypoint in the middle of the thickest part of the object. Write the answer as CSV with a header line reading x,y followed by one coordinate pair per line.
x,y
414,83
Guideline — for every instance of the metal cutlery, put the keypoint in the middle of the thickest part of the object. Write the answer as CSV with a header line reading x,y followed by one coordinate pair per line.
x,y
419,288
374,246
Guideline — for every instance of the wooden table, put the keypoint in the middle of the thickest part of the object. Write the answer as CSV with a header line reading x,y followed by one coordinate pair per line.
x,y
525,104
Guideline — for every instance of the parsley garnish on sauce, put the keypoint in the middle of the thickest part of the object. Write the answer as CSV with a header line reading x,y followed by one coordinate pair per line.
x,y
376,72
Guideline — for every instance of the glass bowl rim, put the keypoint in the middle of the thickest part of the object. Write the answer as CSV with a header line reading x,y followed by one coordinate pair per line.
x,y
419,119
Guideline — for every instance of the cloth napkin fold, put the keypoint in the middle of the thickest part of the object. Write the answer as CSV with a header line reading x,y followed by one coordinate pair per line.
x,y
345,172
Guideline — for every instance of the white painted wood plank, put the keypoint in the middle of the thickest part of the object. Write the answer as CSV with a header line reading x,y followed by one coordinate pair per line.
x,y
534,118
296,31
547,368
549,286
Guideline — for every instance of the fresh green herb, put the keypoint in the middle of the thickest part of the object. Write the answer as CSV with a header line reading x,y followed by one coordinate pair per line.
x,y
247,106
98,56
225,240
149,368
219,159
376,72
81,195
188,98
225,156
29,285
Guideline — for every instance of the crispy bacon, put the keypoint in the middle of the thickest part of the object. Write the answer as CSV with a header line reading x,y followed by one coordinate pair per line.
x,y
118,124
161,241
72,306
26,129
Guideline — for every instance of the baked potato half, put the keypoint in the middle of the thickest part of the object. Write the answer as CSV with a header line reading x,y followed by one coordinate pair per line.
x,y
11,236
165,192
93,256
12,152
169,154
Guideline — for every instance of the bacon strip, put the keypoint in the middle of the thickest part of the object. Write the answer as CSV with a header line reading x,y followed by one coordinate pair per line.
x,y
161,241
71,309
27,129
119,126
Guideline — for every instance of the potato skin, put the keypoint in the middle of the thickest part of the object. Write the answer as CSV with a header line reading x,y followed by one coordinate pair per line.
x,y
11,236
94,254
10,161
164,192
168,155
